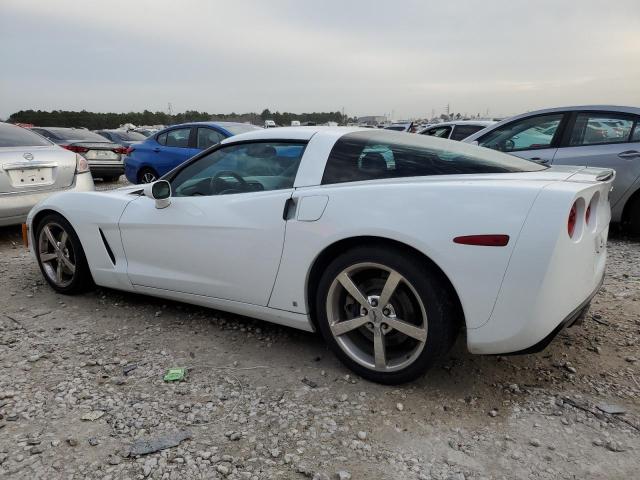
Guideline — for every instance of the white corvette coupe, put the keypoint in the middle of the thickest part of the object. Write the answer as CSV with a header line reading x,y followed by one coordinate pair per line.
x,y
387,243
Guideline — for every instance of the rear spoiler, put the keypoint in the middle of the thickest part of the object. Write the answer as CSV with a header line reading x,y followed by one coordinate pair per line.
x,y
592,174
604,176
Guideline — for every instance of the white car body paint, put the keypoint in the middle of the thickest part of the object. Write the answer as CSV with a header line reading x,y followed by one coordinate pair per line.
x,y
237,253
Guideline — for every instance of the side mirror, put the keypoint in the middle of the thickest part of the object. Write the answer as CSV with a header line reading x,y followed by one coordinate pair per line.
x,y
160,191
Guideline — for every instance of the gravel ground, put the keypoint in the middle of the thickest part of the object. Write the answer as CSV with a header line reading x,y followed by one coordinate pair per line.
x,y
82,394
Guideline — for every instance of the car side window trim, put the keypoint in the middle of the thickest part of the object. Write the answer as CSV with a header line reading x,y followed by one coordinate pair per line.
x,y
555,140
166,133
170,175
566,138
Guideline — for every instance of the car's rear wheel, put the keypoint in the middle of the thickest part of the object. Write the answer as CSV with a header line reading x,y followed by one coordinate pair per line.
x,y
386,315
633,217
110,178
147,175
60,256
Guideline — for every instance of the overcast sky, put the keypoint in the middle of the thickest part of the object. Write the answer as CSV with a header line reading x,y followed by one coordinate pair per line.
x,y
372,57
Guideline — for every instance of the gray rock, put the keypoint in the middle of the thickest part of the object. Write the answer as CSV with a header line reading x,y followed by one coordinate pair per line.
x,y
611,408
161,442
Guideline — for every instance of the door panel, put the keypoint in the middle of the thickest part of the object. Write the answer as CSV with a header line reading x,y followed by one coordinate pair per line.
x,y
223,246
171,150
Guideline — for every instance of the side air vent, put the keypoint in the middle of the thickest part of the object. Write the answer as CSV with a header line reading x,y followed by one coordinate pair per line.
x,y
107,247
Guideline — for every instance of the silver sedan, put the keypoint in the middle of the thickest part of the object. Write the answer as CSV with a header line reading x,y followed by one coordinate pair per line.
x,y
31,169
593,135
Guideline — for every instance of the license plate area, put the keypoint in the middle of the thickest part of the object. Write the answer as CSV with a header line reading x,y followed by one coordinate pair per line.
x,y
31,176
101,155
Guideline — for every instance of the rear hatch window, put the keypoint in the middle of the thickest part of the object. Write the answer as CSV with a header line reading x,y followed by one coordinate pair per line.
x,y
12,136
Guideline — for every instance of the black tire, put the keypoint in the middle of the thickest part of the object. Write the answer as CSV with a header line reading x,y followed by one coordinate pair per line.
x,y
111,178
633,217
143,175
81,279
442,310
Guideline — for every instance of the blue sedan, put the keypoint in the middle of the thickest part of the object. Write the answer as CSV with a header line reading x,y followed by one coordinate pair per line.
x,y
168,148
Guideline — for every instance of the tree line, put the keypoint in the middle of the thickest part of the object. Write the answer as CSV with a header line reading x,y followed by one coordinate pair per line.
x,y
96,120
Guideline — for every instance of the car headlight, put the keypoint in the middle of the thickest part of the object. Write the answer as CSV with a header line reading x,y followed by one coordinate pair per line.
x,y
81,164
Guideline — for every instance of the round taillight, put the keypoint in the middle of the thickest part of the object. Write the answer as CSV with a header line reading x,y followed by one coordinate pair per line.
x,y
573,218
587,215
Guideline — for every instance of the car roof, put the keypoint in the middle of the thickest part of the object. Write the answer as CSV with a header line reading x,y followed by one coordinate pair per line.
x,y
484,123
610,108
292,133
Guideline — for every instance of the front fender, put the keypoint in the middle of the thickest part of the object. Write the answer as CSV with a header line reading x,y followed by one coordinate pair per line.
x,y
91,213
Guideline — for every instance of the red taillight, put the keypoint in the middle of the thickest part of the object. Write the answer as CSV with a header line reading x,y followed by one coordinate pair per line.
x,y
483,240
121,150
75,148
587,215
573,218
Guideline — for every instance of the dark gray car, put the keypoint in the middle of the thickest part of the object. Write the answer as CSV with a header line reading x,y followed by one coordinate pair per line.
x,y
122,137
593,135
104,157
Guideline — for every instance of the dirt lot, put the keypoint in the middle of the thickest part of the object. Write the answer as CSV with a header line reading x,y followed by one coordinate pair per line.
x,y
82,379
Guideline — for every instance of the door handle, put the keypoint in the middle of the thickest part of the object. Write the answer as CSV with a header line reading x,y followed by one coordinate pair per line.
x,y
289,209
156,149
629,154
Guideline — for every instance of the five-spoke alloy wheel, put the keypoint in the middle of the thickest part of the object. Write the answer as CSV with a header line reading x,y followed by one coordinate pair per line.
x,y
387,316
60,255
56,254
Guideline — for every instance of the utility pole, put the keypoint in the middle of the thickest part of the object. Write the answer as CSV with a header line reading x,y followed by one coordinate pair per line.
x,y
170,108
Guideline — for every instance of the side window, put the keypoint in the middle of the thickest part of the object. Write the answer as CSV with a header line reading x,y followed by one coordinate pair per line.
x,y
162,139
247,167
208,137
377,155
460,132
636,132
442,132
178,137
595,128
526,134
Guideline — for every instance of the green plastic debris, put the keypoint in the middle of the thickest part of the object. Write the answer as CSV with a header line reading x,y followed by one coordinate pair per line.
x,y
174,375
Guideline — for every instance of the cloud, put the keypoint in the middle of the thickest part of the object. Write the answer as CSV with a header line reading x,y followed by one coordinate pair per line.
x,y
370,57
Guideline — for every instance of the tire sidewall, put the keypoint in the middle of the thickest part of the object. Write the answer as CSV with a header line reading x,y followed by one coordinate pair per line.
x,y
429,286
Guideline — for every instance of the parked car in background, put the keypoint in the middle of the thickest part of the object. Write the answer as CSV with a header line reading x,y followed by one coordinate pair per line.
x,y
593,135
456,130
399,126
315,228
149,160
122,137
31,169
270,124
147,132
104,157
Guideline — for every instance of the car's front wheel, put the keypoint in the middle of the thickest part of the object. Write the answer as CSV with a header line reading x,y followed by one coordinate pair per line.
x,y
387,315
60,255
147,175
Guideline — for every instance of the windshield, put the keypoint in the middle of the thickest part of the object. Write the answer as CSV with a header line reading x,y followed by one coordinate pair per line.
x,y
78,134
12,136
129,136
